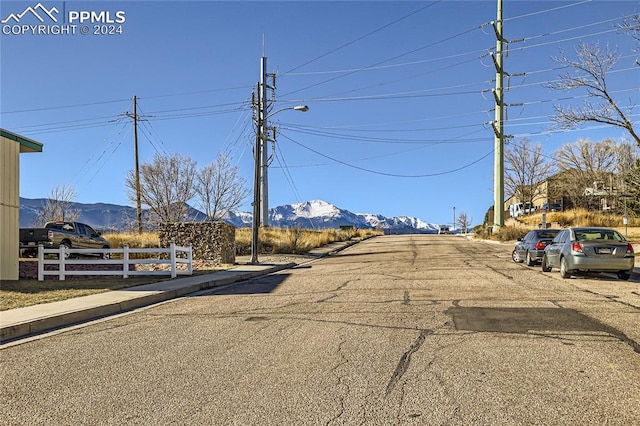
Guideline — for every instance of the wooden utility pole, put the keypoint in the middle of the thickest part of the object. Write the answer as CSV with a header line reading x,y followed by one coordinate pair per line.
x,y
135,150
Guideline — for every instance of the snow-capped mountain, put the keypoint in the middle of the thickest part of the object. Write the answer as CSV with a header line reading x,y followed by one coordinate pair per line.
x,y
315,214
319,214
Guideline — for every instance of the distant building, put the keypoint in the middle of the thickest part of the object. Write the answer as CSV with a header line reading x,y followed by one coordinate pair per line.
x,y
564,189
11,145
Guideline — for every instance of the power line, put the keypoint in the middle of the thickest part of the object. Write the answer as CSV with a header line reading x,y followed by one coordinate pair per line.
x,y
64,106
120,126
362,37
389,174
553,9
150,131
396,141
384,61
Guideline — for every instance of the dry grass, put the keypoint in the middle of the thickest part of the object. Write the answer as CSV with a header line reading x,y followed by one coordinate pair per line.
x,y
272,240
134,240
295,240
580,217
577,217
16,294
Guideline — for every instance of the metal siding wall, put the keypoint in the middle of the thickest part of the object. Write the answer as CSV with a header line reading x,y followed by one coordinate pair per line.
x,y
9,208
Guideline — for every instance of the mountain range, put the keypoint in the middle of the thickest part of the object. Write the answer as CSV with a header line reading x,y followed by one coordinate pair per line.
x,y
315,214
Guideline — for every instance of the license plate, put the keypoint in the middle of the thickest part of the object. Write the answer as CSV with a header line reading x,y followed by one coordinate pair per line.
x,y
604,250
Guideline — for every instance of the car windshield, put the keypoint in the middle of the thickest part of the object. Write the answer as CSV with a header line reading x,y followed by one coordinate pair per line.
x,y
547,234
598,234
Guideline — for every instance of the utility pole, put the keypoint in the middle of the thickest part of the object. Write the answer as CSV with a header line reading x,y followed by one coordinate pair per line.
x,y
257,156
498,127
454,218
135,150
264,139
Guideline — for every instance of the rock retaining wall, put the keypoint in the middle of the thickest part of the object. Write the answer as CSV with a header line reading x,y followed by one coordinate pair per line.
x,y
209,240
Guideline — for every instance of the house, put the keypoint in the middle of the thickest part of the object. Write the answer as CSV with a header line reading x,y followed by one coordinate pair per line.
x,y
11,145
563,188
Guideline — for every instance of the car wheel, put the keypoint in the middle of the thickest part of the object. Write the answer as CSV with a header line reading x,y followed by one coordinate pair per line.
x,y
545,265
623,275
530,261
67,246
515,256
564,273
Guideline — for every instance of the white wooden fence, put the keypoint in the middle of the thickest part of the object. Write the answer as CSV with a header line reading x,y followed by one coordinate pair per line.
x,y
64,259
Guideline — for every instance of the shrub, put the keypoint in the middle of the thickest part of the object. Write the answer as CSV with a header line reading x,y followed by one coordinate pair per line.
x,y
580,217
510,233
506,233
133,240
295,240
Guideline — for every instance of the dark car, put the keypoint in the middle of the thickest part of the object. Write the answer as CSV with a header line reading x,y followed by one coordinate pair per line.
x,y
531,248
576,250
551,207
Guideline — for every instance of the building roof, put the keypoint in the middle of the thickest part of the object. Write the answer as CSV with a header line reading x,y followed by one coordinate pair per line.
x,y
26,144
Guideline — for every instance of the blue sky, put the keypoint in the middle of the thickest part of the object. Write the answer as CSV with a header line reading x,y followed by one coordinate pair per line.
x,y
399,94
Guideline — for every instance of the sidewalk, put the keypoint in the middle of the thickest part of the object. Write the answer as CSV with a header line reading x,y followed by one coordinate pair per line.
x,y
22,322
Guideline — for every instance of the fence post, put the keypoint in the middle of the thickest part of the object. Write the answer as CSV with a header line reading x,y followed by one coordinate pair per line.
x,y
61,266
172,249
125,261
190,259
40,262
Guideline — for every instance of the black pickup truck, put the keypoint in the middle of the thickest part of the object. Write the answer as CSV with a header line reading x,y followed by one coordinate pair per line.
x,y
56,234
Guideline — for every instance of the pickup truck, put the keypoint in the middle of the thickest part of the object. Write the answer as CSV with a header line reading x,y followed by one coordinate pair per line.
x,y
56,234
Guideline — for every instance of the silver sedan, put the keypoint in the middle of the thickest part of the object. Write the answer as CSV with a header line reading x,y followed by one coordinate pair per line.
x,y
576,250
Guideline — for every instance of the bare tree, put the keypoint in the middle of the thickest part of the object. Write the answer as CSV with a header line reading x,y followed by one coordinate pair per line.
x,y
589,72
589,168
629,176
166,186
627,155
631,26
526,169
220,189
632,181
463,222
58,206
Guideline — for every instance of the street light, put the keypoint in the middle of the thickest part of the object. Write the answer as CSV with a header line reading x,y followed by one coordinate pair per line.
x,y
264,165
454,218
260,172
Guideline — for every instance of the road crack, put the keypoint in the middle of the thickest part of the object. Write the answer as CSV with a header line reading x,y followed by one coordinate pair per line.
x,y
405,360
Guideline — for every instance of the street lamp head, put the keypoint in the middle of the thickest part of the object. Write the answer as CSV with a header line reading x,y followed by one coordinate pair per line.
x,y
303,108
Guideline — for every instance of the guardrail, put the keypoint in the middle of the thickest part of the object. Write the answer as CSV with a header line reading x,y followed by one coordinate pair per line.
x,y
64,259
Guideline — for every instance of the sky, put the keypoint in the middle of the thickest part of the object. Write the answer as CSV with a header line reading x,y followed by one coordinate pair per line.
x,y
399,93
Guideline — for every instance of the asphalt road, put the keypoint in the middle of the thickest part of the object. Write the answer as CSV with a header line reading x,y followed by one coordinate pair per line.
x,y
397,330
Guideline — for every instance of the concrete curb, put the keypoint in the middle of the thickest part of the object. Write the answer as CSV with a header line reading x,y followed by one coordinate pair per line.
x,y
32,320
22,322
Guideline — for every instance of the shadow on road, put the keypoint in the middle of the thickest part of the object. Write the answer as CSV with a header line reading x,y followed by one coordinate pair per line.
x,y
259,285
528,320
